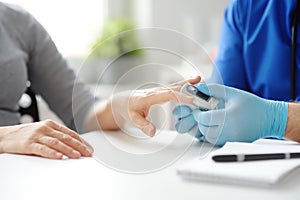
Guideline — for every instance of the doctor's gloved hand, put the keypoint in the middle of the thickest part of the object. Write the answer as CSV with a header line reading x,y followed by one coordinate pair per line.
x,y
186,122
244,117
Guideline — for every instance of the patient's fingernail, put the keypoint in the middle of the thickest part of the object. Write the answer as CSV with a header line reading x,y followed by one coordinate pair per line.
x,y
149,130
76,153
88,150
58,155
194,76
91,151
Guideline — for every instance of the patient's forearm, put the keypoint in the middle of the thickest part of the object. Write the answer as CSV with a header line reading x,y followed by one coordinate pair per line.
x,y
292,130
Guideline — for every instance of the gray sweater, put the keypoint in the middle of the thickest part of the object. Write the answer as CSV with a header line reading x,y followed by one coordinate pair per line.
x,y
28,53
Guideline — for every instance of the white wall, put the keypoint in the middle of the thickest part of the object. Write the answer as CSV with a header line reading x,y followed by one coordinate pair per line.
x,y
199,19
193,28
182,14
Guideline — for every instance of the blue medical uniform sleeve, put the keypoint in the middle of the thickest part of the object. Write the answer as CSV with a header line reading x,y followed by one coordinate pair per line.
x,y
229,66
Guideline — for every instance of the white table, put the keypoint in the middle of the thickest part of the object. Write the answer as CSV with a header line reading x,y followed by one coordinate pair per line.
x,y
30,177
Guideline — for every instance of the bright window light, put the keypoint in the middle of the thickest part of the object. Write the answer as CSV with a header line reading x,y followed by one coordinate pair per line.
x,y
73,25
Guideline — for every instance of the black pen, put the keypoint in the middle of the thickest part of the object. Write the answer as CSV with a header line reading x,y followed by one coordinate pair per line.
x,y
254,157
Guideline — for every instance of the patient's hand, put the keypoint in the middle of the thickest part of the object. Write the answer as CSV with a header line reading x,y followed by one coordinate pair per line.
x,y
46,138
134,106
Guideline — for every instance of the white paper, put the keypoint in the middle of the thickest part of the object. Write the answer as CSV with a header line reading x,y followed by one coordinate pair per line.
x,y
251,172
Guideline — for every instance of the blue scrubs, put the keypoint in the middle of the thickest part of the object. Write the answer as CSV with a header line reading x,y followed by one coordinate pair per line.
x,y
255,48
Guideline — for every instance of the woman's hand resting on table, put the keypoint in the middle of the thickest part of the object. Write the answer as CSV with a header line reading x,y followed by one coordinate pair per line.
x,y
46,138
134,106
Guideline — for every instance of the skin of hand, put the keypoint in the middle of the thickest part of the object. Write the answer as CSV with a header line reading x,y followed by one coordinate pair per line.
x,y
46,138
244,118
134,106
292,131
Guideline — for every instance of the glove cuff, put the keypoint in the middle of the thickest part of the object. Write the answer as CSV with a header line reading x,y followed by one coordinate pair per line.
x,y
278,113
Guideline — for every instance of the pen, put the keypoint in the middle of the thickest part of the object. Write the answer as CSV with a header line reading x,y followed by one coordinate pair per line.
x,y
254,157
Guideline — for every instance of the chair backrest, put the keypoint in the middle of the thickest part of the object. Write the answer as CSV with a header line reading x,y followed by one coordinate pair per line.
x,y
32,109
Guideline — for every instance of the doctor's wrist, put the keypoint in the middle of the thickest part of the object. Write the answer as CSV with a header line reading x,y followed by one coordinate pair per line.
x,y
292,130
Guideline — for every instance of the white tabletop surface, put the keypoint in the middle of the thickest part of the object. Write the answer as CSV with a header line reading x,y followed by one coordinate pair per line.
x,y
30,177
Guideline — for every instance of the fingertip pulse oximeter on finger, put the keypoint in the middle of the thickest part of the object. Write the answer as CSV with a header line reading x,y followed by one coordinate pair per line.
x,y
201,101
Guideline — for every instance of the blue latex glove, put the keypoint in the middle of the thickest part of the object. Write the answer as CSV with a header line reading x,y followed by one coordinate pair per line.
x,y
186,122
244,116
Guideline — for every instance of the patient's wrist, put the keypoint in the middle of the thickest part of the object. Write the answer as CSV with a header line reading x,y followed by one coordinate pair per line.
x,y
2,132
101,117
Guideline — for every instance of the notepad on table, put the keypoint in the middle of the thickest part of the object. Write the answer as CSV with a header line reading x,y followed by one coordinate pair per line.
x,y
253,173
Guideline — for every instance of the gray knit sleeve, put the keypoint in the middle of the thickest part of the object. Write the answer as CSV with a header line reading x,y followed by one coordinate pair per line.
x,y
51,78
